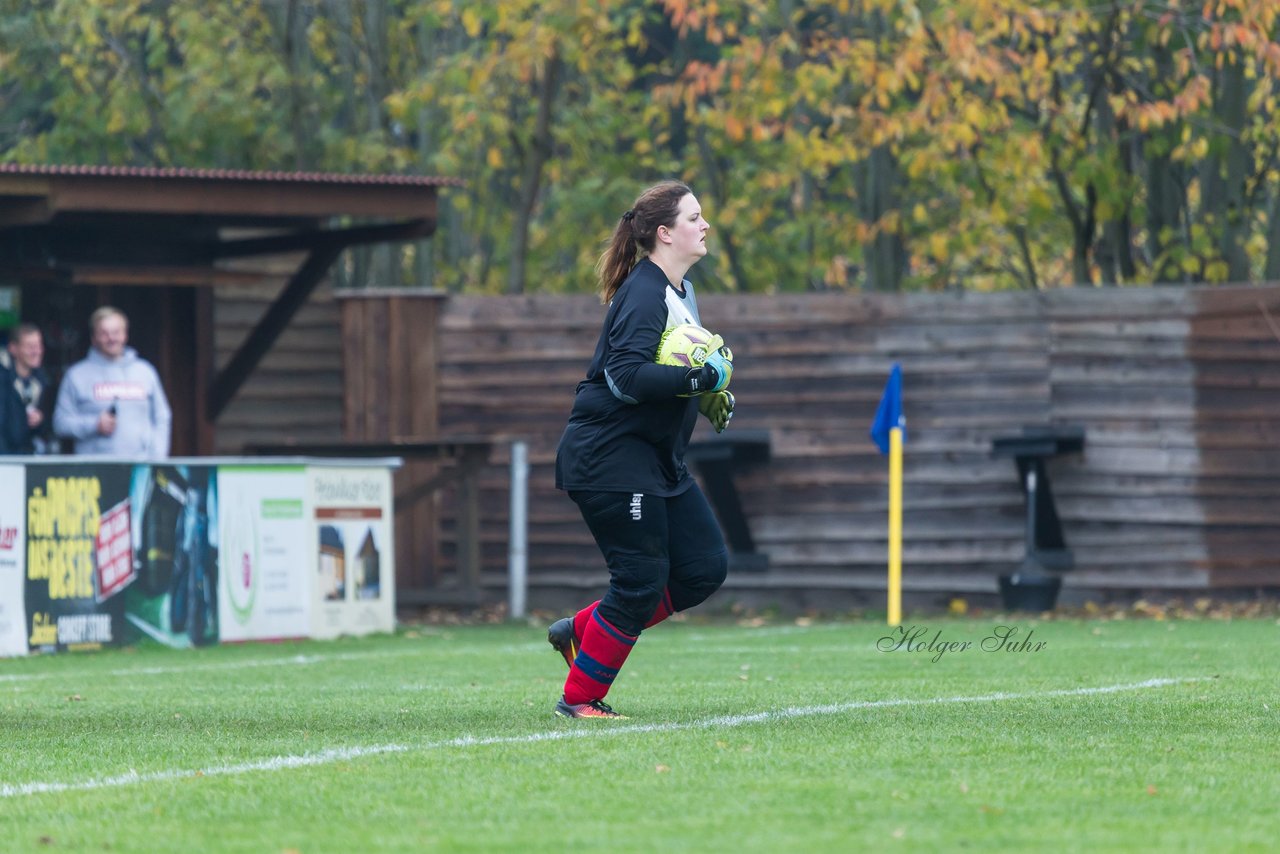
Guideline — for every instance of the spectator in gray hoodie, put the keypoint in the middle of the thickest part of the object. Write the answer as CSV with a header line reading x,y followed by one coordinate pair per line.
x,y
111,402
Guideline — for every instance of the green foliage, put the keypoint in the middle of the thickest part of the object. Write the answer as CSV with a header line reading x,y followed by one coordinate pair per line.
x,y
834,145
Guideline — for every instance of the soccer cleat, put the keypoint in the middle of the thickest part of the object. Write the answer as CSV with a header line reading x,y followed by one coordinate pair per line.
x,y
594,709
560,636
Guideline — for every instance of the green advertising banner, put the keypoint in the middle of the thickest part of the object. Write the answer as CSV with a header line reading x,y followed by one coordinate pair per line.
x,y
10,306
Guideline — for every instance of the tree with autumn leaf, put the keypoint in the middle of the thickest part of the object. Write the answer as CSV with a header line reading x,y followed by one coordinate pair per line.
x,y
531,108
1007,143
239,84
872,145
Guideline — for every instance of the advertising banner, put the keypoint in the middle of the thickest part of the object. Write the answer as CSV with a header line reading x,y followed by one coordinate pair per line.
x,y
117,551
267,555
172,536
95,553
65,508
13,550
355,574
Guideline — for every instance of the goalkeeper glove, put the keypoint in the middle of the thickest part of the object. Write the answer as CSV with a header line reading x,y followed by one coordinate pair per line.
x,y
718,407
714,374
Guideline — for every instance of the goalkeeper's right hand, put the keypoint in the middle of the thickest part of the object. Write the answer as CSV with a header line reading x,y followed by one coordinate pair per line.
x,y
718,407
714,374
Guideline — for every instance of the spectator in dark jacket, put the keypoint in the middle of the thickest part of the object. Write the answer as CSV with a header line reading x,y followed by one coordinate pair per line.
x,y
23,383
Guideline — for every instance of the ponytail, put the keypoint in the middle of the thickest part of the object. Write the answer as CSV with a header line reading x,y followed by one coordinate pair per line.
x,y
636,232
615,264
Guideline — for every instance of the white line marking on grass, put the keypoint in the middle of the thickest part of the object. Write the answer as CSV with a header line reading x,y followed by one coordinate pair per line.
x,y
324,757
589,730
157,670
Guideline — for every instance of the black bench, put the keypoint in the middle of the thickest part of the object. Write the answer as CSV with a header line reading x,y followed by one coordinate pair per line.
x,y
715,461
1032,587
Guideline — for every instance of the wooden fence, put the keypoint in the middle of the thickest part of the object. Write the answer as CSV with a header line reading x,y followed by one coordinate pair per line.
x,y
1178,390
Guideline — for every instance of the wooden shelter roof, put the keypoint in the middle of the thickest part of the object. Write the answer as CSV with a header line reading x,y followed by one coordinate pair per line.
x,y
129,226
43,194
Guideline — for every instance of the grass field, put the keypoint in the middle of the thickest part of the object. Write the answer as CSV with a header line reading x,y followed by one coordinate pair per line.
x,y
1112,735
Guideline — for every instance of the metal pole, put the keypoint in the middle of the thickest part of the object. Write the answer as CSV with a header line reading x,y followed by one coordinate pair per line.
x,y
1031,509
1029,569
518,553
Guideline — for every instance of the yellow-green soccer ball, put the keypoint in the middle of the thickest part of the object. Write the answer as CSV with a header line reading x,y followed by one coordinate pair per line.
x,y
689,346
686,346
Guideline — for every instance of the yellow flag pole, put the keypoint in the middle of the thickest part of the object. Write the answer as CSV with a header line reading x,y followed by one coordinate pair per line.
x,y
895,526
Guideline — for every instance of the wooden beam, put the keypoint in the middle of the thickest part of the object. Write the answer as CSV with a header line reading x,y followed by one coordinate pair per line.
x,y
24,211
274,322
145,275
204,364
160,276
228,197
311,240
325,248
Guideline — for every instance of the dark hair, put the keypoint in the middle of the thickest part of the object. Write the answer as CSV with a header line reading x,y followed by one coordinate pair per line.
x,y
22,330
636,232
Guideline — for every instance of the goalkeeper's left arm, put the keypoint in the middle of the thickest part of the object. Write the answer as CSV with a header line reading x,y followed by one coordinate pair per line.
x,y
629,368
635,381
635,378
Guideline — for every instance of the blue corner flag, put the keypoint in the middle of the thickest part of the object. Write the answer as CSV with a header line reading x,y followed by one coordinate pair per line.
x,y
889,412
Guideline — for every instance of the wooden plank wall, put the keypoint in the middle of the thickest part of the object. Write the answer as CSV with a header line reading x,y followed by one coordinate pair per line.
x,y
1235,347
1175,387
390,393
1179,486
296,392
1120,367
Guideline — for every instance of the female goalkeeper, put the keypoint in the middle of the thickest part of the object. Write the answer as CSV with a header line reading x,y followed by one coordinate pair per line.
x,y
621,458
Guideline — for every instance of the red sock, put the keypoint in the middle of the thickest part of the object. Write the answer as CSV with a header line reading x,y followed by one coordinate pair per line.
x,y
580,620
663,611
601,655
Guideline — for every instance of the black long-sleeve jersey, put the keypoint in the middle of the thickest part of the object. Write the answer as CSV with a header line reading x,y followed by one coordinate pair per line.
x,y
629,427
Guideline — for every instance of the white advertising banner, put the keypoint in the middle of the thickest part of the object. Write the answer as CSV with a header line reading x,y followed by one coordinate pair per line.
x,y
266,557
354,582
13,563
